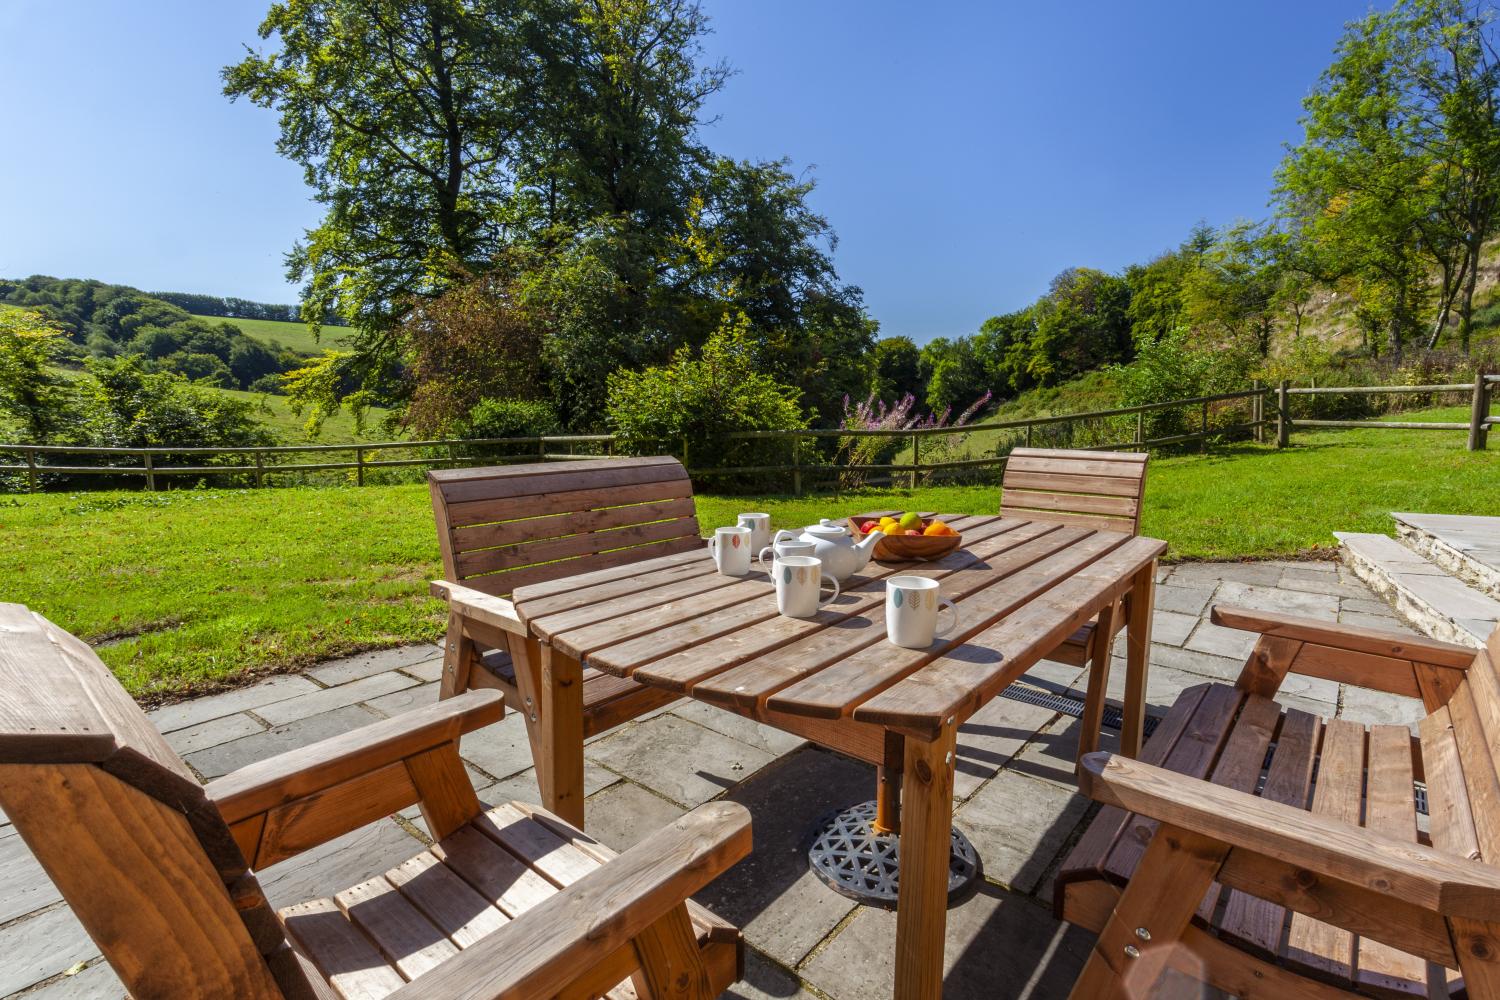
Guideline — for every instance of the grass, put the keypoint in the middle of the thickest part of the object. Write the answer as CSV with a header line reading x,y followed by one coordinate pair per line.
x,y
294,336
188,590
276,413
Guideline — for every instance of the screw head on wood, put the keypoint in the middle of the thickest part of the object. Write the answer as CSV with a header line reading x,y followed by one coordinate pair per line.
x,y
1143,934
1131,951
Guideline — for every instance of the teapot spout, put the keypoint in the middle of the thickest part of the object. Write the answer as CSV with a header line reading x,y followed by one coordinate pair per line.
x,y
866,547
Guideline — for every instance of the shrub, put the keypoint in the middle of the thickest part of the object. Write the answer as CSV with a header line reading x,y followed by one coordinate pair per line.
x,y
205,368
868,449
502,418
1173,369
691,406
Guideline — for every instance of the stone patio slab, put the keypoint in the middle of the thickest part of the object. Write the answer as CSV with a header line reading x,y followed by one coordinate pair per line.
x,y
220,760
196,710
42,946
352,668
685,762
213,732
1018,826
316,702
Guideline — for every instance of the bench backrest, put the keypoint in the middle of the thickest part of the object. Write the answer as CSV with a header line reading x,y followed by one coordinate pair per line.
x,y
1460,751
1095,489
119,823
504,527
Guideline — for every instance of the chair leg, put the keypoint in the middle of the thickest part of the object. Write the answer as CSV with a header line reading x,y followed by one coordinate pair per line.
x,y
671,966
458,659
1149,920
1477,945
558,747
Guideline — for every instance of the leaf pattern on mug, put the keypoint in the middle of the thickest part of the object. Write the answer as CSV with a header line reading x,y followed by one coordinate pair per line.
x,y
735,540
786,574
897,598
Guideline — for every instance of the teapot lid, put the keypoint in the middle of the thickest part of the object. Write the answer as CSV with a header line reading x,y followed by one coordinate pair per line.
x,y
827,529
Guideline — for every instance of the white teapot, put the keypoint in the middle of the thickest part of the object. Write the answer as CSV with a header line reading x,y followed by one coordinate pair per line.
x,y
840,554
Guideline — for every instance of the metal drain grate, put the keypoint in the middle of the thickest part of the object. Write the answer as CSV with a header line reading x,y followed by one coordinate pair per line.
x,y
1070,706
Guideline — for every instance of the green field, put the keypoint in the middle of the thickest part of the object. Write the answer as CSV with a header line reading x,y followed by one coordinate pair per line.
x,y
191,589
294,336
276,413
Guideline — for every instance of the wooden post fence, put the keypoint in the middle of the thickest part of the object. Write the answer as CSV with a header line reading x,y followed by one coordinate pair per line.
x,y
1283,415
1257,411
150,474
1479,412
30,470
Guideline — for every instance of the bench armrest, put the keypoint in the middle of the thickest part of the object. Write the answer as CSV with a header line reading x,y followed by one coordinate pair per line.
x,y
544,949
478,605
1378,642
1413,873
299,773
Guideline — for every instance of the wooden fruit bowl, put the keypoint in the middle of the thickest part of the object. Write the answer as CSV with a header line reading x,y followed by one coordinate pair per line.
x,y
908,548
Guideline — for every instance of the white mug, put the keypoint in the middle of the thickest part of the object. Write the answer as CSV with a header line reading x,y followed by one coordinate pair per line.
x,y
730,548
760,529
790,547
799,585
911,610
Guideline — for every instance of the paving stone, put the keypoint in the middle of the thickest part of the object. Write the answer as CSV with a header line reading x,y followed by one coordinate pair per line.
x,y
1221,641
97,982
226,757
40,947
1326,569
326,699
1169,628
338,864
523,787
1361,620
1330,585
352,668
1018,826
1379,707
1204,573
212,733
405,700
1163,685
427,670
1052,676
190,713
1184,600
1053,755
1367,607
997,944
1294,602
1194,662
731,724
991,737
24,885
782,907
624,814
685,762
500,750
765,980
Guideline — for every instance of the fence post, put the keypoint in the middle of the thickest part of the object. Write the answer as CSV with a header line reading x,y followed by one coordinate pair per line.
x,y
1479,412
260,471
796,465
1203,429
30,471
916,458
1140,426
541,450
1028,435
150,473
359,466
1257,411
1283,415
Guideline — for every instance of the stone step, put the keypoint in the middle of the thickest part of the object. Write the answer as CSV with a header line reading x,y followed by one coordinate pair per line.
x,y
1466,545
1421,591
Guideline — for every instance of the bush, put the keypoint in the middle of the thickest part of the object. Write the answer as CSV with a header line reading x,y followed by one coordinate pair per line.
x,y
1173,369
690,406
503,418
205,368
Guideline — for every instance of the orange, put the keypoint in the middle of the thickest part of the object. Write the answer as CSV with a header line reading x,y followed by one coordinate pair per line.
x,y
935,528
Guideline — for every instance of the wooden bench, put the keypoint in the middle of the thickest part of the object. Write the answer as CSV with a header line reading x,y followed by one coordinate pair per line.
x,y
508,901
1269,852
560,523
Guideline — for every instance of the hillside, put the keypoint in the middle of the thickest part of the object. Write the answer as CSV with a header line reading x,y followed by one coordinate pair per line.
x,y
291,336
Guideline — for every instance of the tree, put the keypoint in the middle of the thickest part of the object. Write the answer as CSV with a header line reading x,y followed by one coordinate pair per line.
x,y
1081,324
893,368
1234,290
31,393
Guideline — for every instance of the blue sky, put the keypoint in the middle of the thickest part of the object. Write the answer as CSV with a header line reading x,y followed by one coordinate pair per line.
x,y
964,152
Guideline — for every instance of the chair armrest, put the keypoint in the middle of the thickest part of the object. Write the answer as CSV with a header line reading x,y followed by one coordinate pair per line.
x,y
544,949
1413,873
1378,642
478,605
302,772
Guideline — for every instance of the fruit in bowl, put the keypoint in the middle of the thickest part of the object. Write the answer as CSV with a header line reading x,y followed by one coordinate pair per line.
x,y
908,537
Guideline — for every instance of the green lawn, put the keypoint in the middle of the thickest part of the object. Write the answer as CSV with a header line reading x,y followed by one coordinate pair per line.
x,y
294,336
190,589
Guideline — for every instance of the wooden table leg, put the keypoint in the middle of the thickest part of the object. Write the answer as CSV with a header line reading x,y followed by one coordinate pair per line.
x,y
458,659
1137,659
888,785
559,751
1093,698
922,905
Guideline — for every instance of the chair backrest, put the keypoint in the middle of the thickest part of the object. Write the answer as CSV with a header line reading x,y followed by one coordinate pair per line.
x,y
1460,747
504,527
1096,489
124,830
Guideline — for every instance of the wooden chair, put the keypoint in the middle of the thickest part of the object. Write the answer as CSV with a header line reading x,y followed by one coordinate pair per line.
x,y
1271,853
500,528
507,902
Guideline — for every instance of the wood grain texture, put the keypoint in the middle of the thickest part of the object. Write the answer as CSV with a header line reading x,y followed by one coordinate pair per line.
x,y
922,901
1381,642
410,942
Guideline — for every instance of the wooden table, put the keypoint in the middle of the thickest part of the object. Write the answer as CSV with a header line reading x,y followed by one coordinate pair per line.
x,y
1021,587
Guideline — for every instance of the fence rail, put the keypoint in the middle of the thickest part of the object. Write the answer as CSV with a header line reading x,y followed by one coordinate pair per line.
x,y
259,463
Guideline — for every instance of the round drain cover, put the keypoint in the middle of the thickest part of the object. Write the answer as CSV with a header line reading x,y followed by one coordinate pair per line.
x,y
855,861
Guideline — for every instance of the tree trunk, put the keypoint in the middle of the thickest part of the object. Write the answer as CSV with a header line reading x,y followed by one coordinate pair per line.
x,y
1466,301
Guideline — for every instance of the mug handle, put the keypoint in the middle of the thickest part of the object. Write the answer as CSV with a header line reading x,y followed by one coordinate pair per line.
x,y
712,551
763,552
953,610
784,531
831,597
